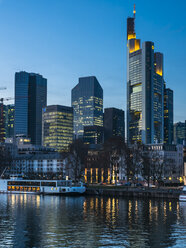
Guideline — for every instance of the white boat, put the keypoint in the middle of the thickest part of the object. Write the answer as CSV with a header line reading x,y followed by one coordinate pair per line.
x,y
182,196
19,185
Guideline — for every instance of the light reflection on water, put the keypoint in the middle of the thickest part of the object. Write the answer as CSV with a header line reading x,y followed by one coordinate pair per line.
x,y
53,221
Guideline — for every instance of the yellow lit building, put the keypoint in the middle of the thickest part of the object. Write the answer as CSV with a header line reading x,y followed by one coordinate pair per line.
x,y
57,127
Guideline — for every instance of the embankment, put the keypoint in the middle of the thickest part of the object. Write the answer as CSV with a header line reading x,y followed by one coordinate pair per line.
x,y
119,191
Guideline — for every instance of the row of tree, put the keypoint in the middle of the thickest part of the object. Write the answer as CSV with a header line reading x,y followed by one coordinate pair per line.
x,y
135,160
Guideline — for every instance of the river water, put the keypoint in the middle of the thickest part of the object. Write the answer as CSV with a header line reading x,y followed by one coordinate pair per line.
x,y
54,221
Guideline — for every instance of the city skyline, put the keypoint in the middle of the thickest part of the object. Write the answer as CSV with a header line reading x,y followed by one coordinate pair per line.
x,y
70,59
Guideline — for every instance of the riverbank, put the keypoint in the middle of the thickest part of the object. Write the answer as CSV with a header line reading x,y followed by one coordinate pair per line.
x,y
120,191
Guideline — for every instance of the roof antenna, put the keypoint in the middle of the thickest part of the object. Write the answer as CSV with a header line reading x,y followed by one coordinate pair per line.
x,y
134,11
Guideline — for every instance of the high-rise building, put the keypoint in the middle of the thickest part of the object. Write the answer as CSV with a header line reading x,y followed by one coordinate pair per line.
x,y
180,133
2,123
87,103
6,121
9,120
57,127
145,90
114,123
30,98
168,116
93,135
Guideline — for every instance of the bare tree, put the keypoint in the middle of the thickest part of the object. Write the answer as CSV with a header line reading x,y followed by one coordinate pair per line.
x,y
77,156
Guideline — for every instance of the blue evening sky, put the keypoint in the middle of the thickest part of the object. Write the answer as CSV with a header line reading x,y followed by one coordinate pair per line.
x,y
66,39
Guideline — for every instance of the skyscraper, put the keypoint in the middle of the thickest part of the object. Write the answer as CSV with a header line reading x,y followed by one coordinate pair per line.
x,y
168,115
87,103
57,127
30,98
180,133
145,90
114,123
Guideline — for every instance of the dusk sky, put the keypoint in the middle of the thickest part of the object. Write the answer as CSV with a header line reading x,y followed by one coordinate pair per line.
x,y
67,39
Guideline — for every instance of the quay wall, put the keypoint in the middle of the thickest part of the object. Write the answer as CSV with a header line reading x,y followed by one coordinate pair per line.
x,y
133,192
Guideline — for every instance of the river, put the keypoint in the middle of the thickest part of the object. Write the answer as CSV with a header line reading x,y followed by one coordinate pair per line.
x,y
56,221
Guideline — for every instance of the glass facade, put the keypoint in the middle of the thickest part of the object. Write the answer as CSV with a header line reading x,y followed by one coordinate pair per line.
x,y
114,123
134,97
145,90
87,103
30,98
9,120
158,98
57,127
180,133
21,103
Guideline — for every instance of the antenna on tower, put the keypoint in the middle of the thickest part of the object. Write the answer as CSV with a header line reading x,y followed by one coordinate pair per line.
x,y
134,11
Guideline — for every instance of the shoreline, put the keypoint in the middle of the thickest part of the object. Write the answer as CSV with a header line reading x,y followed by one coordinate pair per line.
x,y
120,191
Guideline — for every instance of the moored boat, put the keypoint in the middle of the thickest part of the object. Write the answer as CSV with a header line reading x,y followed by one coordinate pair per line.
x,y
182,196
19,185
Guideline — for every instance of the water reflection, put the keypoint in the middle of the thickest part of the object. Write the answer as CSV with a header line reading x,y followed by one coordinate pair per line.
x,y
50,221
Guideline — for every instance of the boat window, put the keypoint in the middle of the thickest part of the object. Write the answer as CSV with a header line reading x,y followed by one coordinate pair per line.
x,y
24,183
23,189
50,184
64,183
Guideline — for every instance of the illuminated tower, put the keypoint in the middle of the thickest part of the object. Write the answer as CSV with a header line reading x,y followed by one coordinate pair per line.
x,y
87,103
145,92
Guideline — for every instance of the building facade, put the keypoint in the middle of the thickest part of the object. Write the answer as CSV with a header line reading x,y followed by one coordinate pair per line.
x,y
87,103
57,127
114,123
93,135
145,90
169,159
30,98
7,121
168,116
180,133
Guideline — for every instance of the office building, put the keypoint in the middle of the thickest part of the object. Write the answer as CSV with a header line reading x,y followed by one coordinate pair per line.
x,y
9,120
30,98
87,103
57,127
168,116
114,123
180,133
145,90
2,123
93,135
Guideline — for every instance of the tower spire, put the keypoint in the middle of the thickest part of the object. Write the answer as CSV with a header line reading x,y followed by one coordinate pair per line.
x,y
134,11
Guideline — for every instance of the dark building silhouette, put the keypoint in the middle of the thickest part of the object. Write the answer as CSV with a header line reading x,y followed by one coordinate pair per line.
x,y
168,116
87,103
30,98
114,123
93,135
